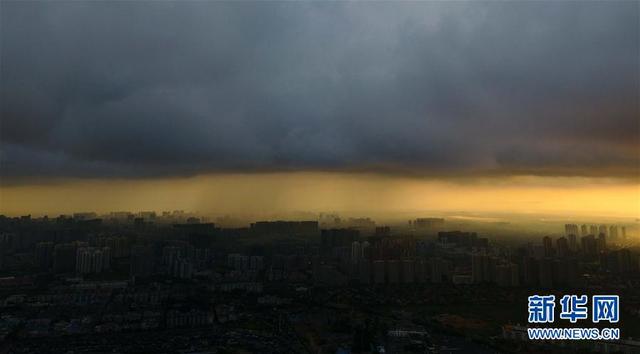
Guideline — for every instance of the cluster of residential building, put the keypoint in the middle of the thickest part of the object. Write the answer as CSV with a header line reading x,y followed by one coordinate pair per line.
x,y
155,270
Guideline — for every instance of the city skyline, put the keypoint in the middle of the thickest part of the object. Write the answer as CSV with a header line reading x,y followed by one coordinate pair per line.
x,y
348,177
170,280
364,194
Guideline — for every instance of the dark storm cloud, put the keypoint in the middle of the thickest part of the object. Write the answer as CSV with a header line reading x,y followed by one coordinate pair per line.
x,y
139,89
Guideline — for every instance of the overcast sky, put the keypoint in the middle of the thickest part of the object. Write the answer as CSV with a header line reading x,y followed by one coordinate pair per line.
x,y
159,89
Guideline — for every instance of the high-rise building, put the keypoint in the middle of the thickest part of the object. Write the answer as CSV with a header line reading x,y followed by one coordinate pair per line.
x,y
462,239
593,230
547,243
119,246
64,258
365,247
91,260
379,272
530,272
563,246
180,268
571,229
583,230
621,261
439,269
171,252
613,233
382,231
559,274
141,264
285,228
236,261
408,271
546,273
393,271
356,252
573,244
364,272
602,229
427,223
507,275
572,271
589,246
601,243
256,263
44,255
422,271
333,238
480,269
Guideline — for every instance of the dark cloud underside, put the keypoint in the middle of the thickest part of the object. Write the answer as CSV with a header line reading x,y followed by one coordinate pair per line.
x,y
137,89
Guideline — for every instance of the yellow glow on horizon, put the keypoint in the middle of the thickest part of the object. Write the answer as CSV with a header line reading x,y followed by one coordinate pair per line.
x,y
320,191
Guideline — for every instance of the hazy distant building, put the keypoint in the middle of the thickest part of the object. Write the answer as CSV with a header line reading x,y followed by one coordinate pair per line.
x,y
85,216
147,215
285,228
382,231
584,230
121,215
593,230
571,229
90,260
462,239
364,225
427,223
329,220
613,233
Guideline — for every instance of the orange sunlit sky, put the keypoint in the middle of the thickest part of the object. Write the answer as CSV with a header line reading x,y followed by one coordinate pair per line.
x,y
342,192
